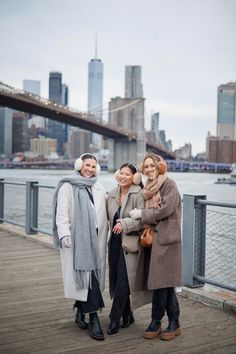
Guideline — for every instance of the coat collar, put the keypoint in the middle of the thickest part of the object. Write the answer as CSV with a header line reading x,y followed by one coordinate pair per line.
x,y
132,189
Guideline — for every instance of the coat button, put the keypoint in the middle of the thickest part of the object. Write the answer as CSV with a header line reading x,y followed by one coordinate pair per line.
x,y
126,252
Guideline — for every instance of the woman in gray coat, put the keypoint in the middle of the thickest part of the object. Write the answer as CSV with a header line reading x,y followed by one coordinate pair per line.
x,y
123,250
163,211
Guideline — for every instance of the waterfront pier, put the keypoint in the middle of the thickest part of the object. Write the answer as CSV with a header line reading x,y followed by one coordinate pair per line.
x,y
36,318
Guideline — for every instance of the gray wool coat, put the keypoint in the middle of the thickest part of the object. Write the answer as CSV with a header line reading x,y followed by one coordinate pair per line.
x,y
165,269
134,199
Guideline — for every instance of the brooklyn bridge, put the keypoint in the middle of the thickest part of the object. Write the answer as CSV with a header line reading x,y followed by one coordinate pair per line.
x,y
126,144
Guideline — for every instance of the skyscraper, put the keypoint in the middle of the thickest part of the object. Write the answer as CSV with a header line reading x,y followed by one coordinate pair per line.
x,y
55,87
58,93
20,132
6,131
226,111
33,86
95,94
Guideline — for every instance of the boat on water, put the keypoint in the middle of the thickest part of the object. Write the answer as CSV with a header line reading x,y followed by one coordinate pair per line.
x,y
231,179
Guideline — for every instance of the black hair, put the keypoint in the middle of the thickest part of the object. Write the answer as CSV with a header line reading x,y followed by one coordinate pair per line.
x,y
133,168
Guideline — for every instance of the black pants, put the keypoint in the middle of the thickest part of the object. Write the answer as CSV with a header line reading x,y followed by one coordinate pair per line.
x,y
119,278
94,300
165,300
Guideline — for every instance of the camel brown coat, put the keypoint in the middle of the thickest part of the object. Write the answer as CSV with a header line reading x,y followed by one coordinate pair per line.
x,y
165,269
131,227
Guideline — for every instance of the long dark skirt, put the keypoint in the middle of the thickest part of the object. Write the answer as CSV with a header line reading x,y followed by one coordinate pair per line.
x,y
94,300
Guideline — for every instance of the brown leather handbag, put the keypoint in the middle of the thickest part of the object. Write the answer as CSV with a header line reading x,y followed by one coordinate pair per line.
x,y
146,237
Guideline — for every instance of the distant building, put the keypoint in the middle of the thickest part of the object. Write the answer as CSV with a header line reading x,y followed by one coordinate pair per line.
x,y
226,111
33,86
155,120
58,94
55,87
6,131
169,145
95,94
64,94
43,146
79,142
162,137
221,150
20,133
184,152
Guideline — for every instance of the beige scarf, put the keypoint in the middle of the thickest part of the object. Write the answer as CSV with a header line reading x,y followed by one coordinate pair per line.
x,y
151,191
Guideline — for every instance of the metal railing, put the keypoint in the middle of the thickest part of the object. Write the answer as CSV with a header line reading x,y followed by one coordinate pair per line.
x,y
209,235
209,243
31,208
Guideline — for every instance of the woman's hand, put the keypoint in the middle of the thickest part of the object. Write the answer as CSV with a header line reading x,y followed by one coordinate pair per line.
x,y
117,229
66,242
135,214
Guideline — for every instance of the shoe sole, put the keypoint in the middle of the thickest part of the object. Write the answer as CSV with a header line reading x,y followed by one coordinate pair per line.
x,y
152,335
95,337
111,333
81,326
170,336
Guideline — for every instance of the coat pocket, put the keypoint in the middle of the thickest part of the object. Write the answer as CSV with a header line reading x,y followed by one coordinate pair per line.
x,y
130,243
168,233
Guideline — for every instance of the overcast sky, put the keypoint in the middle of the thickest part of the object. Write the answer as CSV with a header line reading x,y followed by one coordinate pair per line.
x,y
186,49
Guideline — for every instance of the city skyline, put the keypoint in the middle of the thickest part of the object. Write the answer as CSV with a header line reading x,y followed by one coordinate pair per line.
x,y
185,49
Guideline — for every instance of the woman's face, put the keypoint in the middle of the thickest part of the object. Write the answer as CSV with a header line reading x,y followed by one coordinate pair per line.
x,y
150,169
125,177
88,168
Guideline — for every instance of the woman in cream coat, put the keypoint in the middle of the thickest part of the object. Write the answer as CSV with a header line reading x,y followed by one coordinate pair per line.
x,y
124,250
83,286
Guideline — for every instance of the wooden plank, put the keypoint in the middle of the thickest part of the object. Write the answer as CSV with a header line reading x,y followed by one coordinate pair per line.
x,y
35,317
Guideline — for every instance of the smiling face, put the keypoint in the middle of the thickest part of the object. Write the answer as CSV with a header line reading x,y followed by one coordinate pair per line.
x,y
88,168
150,168
125,177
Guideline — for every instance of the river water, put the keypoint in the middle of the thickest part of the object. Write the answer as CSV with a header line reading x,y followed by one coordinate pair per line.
x,y
221,222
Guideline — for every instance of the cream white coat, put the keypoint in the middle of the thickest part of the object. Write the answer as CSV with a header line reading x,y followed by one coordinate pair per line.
x,y
65,227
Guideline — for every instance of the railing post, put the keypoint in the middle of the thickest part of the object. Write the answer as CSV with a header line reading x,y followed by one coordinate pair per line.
x,y
194,232
31,210
1,200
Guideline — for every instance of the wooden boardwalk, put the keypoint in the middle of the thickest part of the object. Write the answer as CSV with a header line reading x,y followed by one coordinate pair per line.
x,y
36,318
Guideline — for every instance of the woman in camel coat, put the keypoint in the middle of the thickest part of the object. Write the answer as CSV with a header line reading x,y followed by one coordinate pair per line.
x,y
124,249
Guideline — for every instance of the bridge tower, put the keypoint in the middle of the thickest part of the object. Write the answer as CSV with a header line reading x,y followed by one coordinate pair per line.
x,y
128,113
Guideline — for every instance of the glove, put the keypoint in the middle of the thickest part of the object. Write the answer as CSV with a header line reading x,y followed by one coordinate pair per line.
x,y
135,213
66,242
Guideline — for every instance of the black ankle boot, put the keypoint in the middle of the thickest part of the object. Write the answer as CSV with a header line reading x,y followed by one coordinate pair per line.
x,y
153,330
113,327
127,320
172,330
80,319
95,329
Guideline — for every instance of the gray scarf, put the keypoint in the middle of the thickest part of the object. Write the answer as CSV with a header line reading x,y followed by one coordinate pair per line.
x,y
86,249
